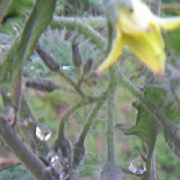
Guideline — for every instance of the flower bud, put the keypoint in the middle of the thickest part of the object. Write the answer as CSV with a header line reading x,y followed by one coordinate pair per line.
x,y
76,56
88,65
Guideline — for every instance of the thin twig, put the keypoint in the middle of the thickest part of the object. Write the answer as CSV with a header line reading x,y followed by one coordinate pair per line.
x,y
90,121
67,114
52,64
79,149
61,141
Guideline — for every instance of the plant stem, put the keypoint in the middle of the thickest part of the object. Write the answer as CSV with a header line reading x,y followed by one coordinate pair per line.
x,y
53,65
61,140
150,173
90,121
110,129
69,112
111,112
79,149
95,22
36,167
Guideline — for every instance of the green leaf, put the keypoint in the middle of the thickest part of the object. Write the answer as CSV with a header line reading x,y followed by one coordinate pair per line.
x,y
169,105
16,172
24,44
4,5
147,127
172,136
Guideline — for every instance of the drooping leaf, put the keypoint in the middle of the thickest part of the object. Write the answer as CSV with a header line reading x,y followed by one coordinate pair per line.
x,y
171,129
147,127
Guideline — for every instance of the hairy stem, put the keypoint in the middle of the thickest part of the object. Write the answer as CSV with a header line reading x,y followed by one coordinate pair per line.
x,y
61,140
95,22
150,173
79,149
111,116
90,121
110,130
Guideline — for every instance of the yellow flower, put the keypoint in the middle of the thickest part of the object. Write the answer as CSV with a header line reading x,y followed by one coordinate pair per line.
x,y
139,29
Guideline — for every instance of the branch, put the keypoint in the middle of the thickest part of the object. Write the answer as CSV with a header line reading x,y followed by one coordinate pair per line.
x,y
66,116
53,65
61,145
79,149
95,22
36,167
111,112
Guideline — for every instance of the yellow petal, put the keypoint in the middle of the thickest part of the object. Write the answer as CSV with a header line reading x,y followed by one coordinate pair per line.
x,y
113,55
167,23
148,47
136,20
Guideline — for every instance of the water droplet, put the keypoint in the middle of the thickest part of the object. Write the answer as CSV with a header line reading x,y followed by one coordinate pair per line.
x,y
137,165
43,133
32,67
